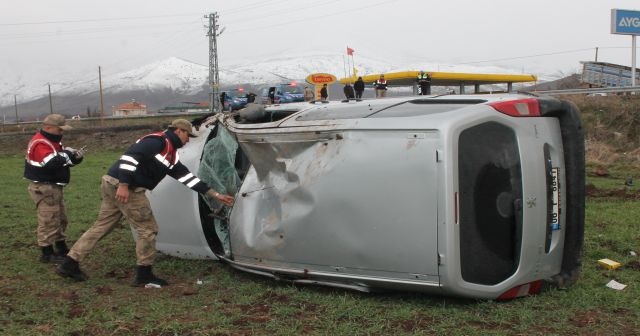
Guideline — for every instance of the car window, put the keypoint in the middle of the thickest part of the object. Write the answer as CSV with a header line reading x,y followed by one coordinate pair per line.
x,y
292,89
490,203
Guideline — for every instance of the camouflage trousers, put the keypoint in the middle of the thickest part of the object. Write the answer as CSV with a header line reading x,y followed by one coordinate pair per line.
x,y
52,216
137,212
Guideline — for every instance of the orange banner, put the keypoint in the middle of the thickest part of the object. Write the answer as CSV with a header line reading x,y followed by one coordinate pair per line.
x,y
321,78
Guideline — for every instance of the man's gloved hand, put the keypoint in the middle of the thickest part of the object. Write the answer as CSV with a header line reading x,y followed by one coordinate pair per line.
x,y
80,153
77,153
225,199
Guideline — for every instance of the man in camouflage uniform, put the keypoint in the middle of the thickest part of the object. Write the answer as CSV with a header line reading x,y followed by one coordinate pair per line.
x,y
47,167
139,169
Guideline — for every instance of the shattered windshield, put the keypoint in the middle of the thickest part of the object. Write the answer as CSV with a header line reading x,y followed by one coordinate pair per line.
x,y
217,169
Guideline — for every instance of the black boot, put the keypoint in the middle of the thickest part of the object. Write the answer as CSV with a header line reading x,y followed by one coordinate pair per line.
x,y
71,269
49,257
144,276
61,248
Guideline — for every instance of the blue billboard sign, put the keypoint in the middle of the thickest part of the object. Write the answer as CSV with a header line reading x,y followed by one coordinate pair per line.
x,y
625,22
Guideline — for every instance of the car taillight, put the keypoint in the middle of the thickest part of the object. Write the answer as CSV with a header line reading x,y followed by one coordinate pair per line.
x,y
531,288
528,107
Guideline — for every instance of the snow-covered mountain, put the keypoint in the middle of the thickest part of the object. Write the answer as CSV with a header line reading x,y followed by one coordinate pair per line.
x,y
187,78
173,73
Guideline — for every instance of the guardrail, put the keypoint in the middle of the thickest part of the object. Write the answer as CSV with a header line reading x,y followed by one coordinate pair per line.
x,y
595,91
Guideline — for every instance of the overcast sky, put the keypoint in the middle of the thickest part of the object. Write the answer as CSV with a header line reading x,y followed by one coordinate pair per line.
x,y
45,38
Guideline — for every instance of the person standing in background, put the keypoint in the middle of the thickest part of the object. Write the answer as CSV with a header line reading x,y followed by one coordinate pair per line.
x,y
358,86
324,94
223,100
308,94
381,87
348,91
424,81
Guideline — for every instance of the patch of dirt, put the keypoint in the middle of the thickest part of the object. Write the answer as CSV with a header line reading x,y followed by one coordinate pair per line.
x,y
107,138
104,290
76,310
20,245
634,265
119,274
541,330
601,171
415,323
189,290
273,297
585,319
70,296
627,194
48,294
44,329
609,245
622,311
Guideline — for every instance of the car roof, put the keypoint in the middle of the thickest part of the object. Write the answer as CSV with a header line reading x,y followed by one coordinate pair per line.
x,y
379,104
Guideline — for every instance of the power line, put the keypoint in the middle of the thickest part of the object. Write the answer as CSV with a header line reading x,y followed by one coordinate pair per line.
x,y
90,31
137,18
278,10
27,41
95,20
523,57
538,55
252,6
313,18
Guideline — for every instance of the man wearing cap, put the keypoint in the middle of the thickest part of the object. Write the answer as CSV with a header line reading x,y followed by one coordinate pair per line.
x,y
47,165
139,169
381,87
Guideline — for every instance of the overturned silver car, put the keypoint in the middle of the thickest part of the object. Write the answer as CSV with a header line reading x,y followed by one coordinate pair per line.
x,y
476,196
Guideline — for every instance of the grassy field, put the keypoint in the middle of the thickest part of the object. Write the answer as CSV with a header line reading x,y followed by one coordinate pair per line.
x,y
35,301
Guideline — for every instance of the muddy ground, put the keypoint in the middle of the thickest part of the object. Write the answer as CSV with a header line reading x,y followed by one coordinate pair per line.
x,y
107,138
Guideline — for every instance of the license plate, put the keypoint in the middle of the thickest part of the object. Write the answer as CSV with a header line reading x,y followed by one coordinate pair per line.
x,y
555,208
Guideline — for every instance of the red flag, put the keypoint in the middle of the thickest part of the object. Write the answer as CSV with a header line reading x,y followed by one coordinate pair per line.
x,y
349,51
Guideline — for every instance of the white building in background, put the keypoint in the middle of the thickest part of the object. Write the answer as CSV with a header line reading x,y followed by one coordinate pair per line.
x,y
132,108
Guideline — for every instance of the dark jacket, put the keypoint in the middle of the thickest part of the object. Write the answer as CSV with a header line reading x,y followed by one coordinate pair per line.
x,y
323,93
359,85
348,92
424,79
46,161
150,159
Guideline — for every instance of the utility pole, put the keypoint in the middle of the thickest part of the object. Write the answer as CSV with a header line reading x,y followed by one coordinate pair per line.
x,y
101,101
633,60
214,80
596,54
50,101
15,104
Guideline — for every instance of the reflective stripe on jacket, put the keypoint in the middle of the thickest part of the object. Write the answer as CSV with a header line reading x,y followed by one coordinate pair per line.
x,y
150,159
380,84
46,161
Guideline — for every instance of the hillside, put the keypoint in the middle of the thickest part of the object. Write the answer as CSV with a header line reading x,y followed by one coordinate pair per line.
x,y
568,82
